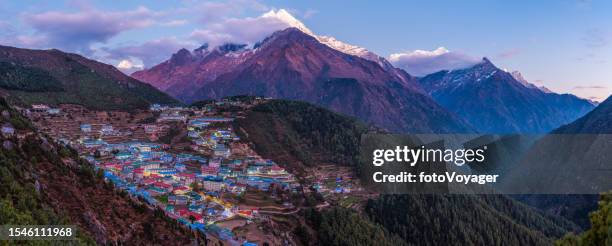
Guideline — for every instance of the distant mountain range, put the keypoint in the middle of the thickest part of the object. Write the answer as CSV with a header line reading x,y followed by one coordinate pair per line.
x,y
291,64
56,77
495,101
598,121
297,64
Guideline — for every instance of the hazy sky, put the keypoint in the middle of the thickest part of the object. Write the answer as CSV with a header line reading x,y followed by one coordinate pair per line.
x,y
564,45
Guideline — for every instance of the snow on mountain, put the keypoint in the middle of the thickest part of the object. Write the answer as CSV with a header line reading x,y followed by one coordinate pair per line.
x,y
284,16
495,101
519,77
291,64
291,21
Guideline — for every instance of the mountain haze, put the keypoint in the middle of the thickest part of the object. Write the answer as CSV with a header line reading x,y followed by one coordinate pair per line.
x,y
598,121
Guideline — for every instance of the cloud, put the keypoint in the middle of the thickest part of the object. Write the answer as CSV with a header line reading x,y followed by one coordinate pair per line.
x,y
214,11
7,33
594,98
247,30
309,13
590,87
211,37
5,26
597,38
89,30
423,62
10,36
509,53
174,23
149,53
77,31
130,65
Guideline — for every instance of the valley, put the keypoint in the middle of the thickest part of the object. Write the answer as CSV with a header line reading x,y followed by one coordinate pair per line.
x,y
201,124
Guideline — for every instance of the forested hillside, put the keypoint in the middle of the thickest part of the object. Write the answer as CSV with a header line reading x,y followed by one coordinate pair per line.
x,y
54,77
465,220
342,226
289,132
600,232
15,77
299,133
21,202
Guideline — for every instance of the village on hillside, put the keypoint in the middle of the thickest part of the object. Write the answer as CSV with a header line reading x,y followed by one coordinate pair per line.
x,y
190,163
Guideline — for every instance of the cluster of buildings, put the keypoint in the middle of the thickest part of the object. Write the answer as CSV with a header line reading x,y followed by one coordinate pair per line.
x,y
188,186
191,185
43,108
71,123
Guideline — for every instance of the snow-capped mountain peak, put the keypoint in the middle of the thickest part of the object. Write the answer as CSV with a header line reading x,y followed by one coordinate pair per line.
x,y
341,46
286,17
519,77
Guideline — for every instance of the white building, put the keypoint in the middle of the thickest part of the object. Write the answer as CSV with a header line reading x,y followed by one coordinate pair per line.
x,y
175,116
106,129
85,127
151,128
53,111
222,150
40,107
8,130
210,185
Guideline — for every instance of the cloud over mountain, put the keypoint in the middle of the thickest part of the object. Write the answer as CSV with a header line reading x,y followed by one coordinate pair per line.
x,y
79,30
246,30
149,53
129,65
423,62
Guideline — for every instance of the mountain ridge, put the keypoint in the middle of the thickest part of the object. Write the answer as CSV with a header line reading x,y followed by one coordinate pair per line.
x,y
291,64
299,134
76,79
494,101
598,121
